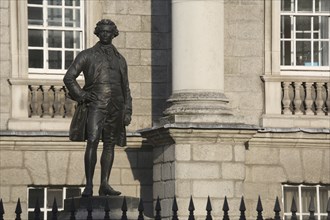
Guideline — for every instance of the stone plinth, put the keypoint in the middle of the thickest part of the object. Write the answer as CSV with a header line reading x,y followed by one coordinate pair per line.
x,y
81,205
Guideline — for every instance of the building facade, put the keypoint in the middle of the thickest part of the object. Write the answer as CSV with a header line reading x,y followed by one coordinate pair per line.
x,y
230,98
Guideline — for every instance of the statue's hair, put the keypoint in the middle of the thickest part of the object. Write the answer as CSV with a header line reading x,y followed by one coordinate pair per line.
x,y
113,26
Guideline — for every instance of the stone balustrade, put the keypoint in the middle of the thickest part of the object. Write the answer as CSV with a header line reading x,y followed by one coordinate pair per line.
x,y
49,101
305,97
41,98
299,98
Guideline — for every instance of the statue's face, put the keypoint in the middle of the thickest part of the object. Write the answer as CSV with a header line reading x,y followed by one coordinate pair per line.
x,y
105,35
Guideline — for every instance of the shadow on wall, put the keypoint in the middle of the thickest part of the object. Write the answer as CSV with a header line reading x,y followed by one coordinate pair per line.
x,y
141,163
161,56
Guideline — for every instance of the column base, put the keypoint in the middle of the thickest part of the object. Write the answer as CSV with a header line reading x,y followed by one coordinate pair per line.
x,y
209,107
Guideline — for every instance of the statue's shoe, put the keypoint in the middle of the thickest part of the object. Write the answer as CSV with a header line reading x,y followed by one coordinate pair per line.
x,y
88,191
107,190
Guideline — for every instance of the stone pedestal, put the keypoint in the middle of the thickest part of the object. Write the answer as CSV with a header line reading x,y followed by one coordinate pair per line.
x,y
199,160
81,204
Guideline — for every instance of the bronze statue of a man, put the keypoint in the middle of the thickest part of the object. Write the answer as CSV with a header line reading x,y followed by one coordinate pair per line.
x,y
108,101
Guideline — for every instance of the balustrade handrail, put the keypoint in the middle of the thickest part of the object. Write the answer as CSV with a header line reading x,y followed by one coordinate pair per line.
x,y
291,78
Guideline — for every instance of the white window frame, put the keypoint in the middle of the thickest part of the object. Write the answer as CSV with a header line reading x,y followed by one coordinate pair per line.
x,y
303,70
43,207
300,214
36,72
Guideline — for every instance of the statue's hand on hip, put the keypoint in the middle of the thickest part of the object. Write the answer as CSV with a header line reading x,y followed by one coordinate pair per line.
x,y
89,97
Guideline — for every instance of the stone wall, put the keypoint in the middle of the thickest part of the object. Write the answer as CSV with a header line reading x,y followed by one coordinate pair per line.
x,y
28,161
144,40
233,163
244,58
5,65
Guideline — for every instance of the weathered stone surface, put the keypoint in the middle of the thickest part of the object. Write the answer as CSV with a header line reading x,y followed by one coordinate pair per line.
x,y
239,153
291,161
268,174
233,171
312,165
145,159
169,153
212,152
4,14
159,189
15,176
197,171
115,176
136,176
262,155
18,192
167,171
183,188
76,173
57,171
5,193
131,23
154,57
325,178
252,190
35,162
182,152
170,188
213,188
11,158
157,172
125,159
155,23
133,57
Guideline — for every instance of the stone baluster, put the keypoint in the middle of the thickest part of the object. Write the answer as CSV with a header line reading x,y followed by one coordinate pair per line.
x,y
36,100
46,102
286,98
297,98
326,98
59,102
308,98
319,99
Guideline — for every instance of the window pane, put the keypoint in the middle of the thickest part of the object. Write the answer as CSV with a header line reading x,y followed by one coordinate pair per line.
x,y
72,2
55,193
286,26
36,2
73,192
68,58
307,193
55,39
289,194
35,38
36,59
305,5
34,194
303,52
55,59
322,5
286,5
55,17
35,16
72,18
324,27
324,196
303,23
286,52
69,40
54,2
324,54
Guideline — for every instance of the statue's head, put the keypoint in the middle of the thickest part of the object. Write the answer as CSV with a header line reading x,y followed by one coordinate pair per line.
x,y
106,22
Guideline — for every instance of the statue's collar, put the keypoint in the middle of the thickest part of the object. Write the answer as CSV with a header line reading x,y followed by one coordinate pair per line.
x,y
104,47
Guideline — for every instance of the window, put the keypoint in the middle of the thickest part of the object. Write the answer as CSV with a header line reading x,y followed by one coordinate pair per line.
x,y
302,195
305,32
55,34
46,195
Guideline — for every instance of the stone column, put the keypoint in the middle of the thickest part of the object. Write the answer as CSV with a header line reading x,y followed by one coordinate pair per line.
x,y
198,61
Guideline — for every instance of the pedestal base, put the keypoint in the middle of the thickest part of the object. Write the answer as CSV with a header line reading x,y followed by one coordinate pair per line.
x,y
97,203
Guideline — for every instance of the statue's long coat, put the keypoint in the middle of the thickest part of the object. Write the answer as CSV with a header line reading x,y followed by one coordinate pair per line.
x,y
90,62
